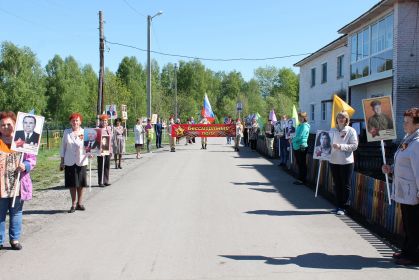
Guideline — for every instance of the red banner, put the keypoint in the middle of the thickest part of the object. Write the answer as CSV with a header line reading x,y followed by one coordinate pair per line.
x,y
203,130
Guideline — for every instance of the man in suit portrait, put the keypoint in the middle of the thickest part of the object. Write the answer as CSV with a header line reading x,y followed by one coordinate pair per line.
x,y
111,111
28,135
91,143
290,129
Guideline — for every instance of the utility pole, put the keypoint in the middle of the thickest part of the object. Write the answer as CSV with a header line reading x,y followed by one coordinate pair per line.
x,y
100,101
175,91
148,85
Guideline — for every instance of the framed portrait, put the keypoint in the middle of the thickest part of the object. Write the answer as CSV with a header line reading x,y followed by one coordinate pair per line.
x,y
28,132
379,118
279,129
124,112
91,140
154,118
268,127
105,142
111,111
289,128
323,145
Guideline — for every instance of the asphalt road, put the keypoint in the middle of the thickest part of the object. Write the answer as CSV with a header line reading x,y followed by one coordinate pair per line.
x,y
203,214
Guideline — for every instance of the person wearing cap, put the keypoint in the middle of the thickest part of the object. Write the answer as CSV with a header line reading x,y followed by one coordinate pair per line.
x,y
345,142
299,146
378,121
204,140
104,161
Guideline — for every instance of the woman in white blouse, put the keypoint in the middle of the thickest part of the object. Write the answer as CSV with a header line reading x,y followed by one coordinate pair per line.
x,y
139,136
74,161
345,142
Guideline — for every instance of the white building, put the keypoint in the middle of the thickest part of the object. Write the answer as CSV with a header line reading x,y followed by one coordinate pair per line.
x,y
382,58
323,74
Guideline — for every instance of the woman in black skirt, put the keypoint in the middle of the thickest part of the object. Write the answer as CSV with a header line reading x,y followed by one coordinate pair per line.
x,y
74,161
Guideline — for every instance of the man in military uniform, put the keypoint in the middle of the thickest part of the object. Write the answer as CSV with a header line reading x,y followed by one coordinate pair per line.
x,y
378,121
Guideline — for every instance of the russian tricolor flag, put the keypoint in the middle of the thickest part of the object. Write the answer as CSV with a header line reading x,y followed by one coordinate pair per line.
x,y
206,111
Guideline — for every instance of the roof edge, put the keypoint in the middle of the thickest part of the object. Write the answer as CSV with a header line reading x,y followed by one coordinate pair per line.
x,y
317,53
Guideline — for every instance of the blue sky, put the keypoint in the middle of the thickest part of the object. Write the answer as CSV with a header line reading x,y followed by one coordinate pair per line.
x,y
215,29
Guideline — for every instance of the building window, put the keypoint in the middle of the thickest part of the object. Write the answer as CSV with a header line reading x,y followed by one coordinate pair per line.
x,y
313,77
312,112
324,111
324,73
372,48
339,67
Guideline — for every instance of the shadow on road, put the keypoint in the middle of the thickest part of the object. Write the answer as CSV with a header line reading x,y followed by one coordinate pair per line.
x,y
252,184
265,190
286,213
321,261
43,212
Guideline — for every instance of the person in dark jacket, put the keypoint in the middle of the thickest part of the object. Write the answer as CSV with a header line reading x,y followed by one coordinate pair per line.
x,y
158,128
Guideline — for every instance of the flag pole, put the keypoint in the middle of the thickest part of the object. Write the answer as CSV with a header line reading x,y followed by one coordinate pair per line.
x,y
318,177
383,152
17,182
90,174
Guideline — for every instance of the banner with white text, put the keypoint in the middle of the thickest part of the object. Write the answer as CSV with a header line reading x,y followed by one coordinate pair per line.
x,y
203,130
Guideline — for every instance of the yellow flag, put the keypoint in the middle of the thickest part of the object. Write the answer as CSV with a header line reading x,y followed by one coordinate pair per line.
x,y
295,115
338,106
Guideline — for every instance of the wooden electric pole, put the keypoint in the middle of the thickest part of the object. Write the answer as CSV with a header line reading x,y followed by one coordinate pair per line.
x,y
100,102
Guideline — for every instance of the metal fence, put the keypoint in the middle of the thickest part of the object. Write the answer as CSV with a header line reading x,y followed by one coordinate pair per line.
x,y
369,198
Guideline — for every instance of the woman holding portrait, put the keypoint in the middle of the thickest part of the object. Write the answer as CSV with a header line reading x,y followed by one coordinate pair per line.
x,y
118,142
405,171
323,146
139,136
10,166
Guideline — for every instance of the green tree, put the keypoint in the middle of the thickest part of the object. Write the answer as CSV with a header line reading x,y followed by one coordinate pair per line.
x,y
279,87
66,89
231,88
115,91
91,81
22,80
133,76
253,102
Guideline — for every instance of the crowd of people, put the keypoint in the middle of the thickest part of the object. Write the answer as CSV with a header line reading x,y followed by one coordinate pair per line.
x,y
75,151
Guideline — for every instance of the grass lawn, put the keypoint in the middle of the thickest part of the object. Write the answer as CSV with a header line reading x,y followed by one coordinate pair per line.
x,y
46,173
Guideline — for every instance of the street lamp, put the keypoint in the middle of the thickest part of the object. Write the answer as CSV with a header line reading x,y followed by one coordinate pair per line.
x,y
149,19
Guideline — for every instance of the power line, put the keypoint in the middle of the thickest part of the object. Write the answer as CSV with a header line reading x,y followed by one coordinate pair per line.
x,y
208,59
132,8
